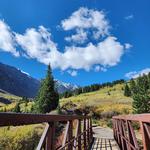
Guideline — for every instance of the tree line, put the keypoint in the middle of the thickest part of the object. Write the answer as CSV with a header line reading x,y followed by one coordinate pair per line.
x,y
90,88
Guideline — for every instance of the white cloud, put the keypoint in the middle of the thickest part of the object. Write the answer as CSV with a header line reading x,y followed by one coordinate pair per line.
x,y
38,44
72,72
80,37
128,46
136,74
99,68
7,42
84,19
129,17
106,53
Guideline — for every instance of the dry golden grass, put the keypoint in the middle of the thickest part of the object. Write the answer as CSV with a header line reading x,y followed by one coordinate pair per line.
x,y
106,99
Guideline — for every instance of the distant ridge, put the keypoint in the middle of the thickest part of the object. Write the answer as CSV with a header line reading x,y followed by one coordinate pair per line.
x,y
16,82
20,83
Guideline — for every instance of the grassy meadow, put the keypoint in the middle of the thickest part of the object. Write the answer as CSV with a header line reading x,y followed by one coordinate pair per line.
x,y
105,99
101,104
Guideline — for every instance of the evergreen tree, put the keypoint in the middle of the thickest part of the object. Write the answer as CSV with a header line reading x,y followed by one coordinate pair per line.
x,y
148,76
47,98
17,108
141,98
127,91
133,86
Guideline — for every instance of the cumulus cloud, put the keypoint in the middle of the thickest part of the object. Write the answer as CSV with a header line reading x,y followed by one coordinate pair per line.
x,y
106,53
129,17
37,43
128,45
84,19
72,72
136,74
7,42
99,68
80,37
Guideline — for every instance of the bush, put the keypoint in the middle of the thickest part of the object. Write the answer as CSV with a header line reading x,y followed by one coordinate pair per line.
x,y
109,114
20,138
109,123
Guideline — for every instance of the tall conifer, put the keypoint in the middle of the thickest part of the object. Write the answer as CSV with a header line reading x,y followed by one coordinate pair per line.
x,y
47,98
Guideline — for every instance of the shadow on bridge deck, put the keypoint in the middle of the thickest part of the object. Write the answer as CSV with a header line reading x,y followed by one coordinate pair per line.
x,y
103,139
104,144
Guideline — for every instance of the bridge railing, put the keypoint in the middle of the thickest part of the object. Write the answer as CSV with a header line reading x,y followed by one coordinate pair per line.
x,y
78,136
124,131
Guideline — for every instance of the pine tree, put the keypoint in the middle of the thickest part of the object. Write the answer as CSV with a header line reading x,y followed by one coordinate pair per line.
x,y
17,108
148,76
127,91
47,98
133,86
141,98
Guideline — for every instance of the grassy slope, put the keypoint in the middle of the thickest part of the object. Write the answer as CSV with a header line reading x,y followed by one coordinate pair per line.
x,y
10,97
14,99
101,99
104,100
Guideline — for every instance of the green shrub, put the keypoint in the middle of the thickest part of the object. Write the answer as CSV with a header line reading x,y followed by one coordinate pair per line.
x,y
109,114
20,138
109,123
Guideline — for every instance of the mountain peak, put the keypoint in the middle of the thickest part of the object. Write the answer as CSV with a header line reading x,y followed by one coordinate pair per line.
x,y
20,83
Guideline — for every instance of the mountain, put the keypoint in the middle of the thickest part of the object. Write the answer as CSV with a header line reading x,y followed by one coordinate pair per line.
x,y
17,82
62,86
20,83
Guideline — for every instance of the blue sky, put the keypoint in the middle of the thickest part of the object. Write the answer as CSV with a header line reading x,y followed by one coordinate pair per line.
x,y
88,41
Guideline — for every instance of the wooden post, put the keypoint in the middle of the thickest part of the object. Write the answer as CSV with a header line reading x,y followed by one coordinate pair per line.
x,y
70,135
65,134
124,144
132,137
43,137
91,131
145,135
50,137
88,131
84,134
79,133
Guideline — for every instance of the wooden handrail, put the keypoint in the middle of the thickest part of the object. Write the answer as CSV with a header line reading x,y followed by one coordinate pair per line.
x,y
82,139
124,132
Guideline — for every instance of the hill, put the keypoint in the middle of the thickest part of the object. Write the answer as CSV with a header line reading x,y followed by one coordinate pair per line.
x,y
19,83
106,101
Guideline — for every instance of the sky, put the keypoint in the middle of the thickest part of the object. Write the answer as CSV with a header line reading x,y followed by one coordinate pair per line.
x,y
85,41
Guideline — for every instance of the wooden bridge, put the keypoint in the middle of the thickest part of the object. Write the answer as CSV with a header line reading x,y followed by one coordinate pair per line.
x,y
79,134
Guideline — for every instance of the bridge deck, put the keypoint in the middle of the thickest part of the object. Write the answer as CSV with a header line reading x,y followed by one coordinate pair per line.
x,y
103,139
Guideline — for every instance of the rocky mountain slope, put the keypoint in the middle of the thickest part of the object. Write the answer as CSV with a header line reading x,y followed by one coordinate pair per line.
x,y
19,83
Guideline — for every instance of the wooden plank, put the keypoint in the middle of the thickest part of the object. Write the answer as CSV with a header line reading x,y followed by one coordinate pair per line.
x,y
88,132
84,134
76,135
66,134
79,135
43,137
137,117
16,119
70,136
50,143
132,137
145,136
